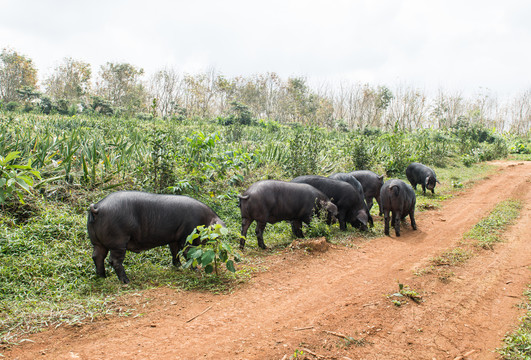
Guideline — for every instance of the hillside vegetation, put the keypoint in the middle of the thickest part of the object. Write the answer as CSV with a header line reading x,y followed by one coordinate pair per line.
x,y
52,167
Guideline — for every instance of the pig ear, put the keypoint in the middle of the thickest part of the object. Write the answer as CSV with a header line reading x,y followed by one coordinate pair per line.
x,y
380,177
363,217
437,181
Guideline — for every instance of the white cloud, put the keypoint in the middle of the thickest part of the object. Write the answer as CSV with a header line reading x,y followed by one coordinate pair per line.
x,y
460,45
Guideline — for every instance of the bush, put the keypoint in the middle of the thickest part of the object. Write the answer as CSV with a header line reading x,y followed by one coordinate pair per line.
x,y
12,106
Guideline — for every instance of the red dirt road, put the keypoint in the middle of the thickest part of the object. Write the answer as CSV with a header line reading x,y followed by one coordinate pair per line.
x,y
303,301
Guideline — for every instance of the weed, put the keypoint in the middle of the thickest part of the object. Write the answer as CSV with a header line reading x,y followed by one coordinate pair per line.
x,y
452,257
518,344
405,292
488,231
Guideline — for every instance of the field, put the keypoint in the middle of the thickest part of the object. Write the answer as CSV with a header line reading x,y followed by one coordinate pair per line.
x,y
47,276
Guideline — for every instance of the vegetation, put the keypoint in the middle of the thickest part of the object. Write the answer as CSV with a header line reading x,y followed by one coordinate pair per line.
x,y
488,231
47,274
518,344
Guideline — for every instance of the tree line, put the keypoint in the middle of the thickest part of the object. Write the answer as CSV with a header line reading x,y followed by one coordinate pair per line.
x,y
125,89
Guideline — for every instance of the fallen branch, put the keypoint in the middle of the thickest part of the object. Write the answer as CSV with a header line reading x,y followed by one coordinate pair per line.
x,y
338,335
204,311
314,354
304,328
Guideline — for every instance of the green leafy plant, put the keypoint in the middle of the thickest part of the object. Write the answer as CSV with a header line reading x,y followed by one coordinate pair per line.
x,y
15,179
210,250
404,291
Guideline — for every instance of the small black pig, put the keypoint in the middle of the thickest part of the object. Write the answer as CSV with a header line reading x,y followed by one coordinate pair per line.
x,y
398,198
349,201
371,183
418,173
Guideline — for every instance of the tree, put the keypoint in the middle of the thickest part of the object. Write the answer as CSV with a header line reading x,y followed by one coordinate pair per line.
x,y
16,72
166,86
70,81
122,87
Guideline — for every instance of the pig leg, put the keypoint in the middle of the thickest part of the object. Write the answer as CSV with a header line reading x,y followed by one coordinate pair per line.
x,y
98,255
380,211
412,218
174,249
245,226
260,226
396,222
296,228
116,259
386,220
342,221
368,200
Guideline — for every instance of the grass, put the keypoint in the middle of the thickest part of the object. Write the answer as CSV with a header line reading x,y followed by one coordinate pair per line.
x,y
517,345
484,235
489,230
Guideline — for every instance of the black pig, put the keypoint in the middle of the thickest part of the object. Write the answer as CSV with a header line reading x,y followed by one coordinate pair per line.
x,y
357,185
136,221
418,173
371,183
350,204
271,201
399,198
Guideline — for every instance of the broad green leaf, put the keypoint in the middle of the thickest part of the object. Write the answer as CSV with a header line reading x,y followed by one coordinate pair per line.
x,y
223,256
195,253
208,257
230,266
23,184
209,268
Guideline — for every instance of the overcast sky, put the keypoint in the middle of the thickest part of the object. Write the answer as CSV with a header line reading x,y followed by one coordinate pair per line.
x,y
461,45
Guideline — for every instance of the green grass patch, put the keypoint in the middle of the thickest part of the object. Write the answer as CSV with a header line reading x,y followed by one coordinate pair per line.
x,y
489,230
452,257
517,346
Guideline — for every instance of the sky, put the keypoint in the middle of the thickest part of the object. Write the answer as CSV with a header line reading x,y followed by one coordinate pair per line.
x,y
465,46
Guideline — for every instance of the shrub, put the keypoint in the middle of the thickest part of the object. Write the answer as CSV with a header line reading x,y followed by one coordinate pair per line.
x,y
12,106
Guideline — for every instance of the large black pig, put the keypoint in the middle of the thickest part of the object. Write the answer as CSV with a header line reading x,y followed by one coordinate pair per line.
x,y
372,184
398,198
418,173
349,201
136,221
271,201
357,185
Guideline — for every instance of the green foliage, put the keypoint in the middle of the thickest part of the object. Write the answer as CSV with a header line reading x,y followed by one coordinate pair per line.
x,y
12,106
206,248
15,179
161,166
318,226
518,344
398,154
362,153
404,293
304,149
488,231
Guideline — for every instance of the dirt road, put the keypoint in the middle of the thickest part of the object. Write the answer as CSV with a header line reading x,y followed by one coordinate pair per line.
x,y
307,301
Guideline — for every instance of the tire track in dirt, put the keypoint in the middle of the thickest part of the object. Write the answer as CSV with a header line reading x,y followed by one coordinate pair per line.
x,y
343,290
